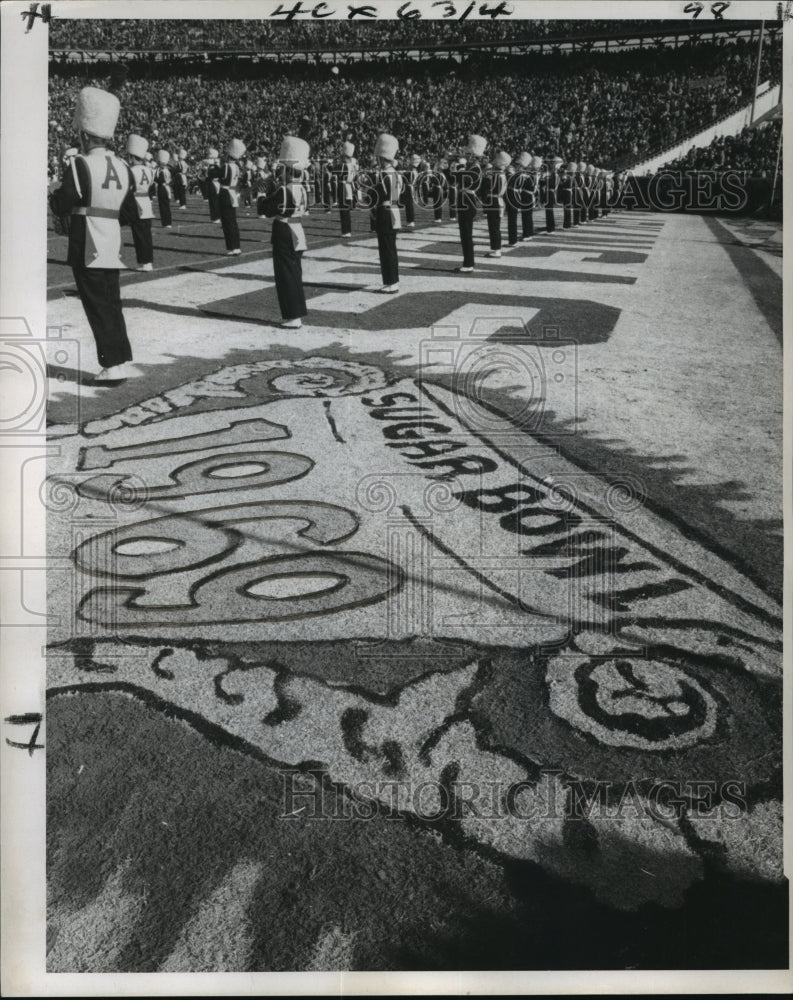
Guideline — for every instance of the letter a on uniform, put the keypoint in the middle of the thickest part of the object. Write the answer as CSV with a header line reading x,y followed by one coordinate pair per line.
x,y
111,175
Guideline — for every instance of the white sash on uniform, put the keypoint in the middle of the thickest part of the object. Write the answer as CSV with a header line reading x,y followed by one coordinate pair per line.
x,y
298,193
232,171
144,178
109,187
394,186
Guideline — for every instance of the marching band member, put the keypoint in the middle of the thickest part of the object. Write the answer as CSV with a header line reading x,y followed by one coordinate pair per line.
x,y
97,193
493,195
606,187
438,187
263,180
454,168
229,197
579,194
345,187
410,176
164,192
214,171
567,195
468,182
452,165
549,184
592,195
520,198
246,182
179,171
143,175
286,206
387,192
533,185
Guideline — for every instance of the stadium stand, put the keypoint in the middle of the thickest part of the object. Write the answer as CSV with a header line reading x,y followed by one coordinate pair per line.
x,y
609,107
754,150
180,35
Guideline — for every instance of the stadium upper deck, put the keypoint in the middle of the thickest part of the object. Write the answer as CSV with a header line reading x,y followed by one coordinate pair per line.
x,y
183,36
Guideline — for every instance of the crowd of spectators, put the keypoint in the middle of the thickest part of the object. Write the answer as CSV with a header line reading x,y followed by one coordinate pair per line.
x,y
611,108
754,151
202,35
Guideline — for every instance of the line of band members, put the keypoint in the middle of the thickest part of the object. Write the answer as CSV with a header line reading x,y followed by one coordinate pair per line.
x,y
501,188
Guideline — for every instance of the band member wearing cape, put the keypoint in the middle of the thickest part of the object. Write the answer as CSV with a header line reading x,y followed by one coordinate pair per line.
x,y
387,221
286,206
98,193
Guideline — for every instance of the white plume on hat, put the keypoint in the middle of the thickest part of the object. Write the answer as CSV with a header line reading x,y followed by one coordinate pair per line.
x,y
294,151
477,144
261,163
182,154
96,112
235,149
163,157
523,160
386,146
137,146
212,154
582,167
571,168
70,152
348,149
415,160
536,162
502,160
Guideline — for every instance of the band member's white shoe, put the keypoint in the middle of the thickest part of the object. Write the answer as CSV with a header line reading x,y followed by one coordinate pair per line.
x,y
463,270
233,253
292,324
493,253
390,289
116,373
145,267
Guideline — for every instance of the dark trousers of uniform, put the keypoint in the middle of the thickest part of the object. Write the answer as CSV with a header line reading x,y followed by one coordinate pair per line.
x,y
100,293
550,220
465,222
345,214
527,222
164,201
494,229
410,205
512,225
567,217
387,247
437,202
228,219
180,189
288,270
141,237
212,198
